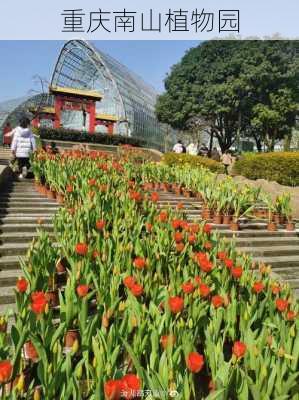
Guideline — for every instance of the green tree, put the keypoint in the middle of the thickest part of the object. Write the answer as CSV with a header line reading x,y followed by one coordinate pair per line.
x,y
234,86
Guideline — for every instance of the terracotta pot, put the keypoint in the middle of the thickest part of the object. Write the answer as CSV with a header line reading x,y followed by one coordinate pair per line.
x,y
206,214
70,337
272,227
30,352
157,186
187,193
178,190
234,226
198,196
226,219
52,298
290,226
217,219
60,198
164,187
51,194
13,383
43,190
278,219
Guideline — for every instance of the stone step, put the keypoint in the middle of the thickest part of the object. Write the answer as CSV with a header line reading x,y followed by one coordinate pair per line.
x,y
18,237
7,296
26,227
294,283
10,262
271,251
12,204
13,249
278,261
266,241
250,233
26,210
9,278
26,218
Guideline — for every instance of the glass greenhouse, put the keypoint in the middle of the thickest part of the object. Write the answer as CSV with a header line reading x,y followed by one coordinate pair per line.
x,y
125,96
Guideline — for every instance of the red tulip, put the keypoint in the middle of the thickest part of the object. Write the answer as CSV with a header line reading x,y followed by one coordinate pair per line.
x,y
197,280
82,290
217,301
207,228
188,287
154,197
149,227
92,182
281,304
112,390
22,285
176,224
129,281
258,287
239,349
5,371
291,315
194,228
167,340
208,245
275,289
139,262
237,272
163,216
195,362
96,254
100,224
136,290
204,290
192,239
81,249
228,263
179,247
221,255
130,386
178,237
176,304
39,302
69,188
206,265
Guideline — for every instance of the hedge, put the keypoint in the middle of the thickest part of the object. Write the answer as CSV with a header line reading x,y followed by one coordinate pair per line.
x,y
194,161
280,167
72,135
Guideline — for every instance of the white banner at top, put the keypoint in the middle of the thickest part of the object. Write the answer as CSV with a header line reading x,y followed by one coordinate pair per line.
x,y
148,20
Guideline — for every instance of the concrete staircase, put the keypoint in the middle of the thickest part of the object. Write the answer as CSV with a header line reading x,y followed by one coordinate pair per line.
x,y
279,249
5,155
22,212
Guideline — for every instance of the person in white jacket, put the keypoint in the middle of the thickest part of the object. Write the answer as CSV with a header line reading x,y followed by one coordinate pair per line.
x,y
23,144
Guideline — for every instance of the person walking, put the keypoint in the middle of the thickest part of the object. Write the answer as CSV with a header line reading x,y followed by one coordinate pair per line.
x,y
178,147
192,149
23,144
6,135
226,160
215,154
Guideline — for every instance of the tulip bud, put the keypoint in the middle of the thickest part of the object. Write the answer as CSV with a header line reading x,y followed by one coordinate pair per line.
x,y
75,346
281,352
190,323
21,382
155,277
37,394
94,362
170,375
79,371
55,348
23,315
255,351
29,268
158,256
134,321
122,306
47,308
178,268
50,369
292,331
263,371
105,321
245,316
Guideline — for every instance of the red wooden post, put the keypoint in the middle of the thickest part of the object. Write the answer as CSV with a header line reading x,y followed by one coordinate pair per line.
x,y
58,103
92,117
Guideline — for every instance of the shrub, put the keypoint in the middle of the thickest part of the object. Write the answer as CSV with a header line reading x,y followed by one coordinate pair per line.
x,y
280,167
85,137
194,161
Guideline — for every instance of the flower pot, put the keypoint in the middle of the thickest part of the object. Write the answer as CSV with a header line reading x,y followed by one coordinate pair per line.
x,y
60,198
206,213
290,226
164,187
235,226
217,219
52,298
272,227
60,267
51,194
70,337
178,191
226,219
187,193
278,219
43,190
30,352
198,196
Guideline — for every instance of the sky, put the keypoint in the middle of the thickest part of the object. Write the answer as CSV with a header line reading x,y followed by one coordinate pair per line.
x,y
22,60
